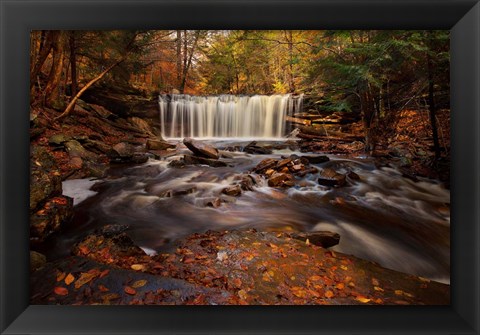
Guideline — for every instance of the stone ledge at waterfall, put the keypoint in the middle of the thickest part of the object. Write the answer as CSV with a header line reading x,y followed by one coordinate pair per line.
x,y
201,149
236,267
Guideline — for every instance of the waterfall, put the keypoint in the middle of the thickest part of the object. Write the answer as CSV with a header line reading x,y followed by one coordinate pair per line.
x,y
226,116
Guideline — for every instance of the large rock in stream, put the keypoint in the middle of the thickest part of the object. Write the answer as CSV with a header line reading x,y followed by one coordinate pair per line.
x,y
158,144
201,149
330,177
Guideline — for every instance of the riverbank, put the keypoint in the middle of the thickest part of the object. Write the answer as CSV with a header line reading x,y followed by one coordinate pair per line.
x,y
113,268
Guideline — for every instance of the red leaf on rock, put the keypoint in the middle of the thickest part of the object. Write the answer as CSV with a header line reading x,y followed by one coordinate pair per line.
x,y
60,290
129,290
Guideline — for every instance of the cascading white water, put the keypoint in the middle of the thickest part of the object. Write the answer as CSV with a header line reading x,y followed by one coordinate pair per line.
x,y
258,116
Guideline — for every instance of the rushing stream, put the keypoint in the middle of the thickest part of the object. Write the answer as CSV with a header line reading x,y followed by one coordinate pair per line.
x,y
383,217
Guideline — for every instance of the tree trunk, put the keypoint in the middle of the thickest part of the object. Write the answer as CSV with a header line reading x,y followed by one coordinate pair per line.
x,y
368,113
51,91
291,84
43,53
71,105
188,62
179,56
73,63
431,106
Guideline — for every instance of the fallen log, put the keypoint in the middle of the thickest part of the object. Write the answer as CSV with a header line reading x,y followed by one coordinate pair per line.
x,y
298,120
330,138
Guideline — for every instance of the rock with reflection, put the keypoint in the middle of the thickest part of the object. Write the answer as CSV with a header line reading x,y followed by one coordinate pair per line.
x,y
330,177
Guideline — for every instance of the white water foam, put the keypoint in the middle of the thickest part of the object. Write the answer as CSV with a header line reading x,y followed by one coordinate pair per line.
x,y
226,116
78,189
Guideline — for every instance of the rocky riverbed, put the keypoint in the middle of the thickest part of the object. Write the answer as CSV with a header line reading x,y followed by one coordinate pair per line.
x,y
210,254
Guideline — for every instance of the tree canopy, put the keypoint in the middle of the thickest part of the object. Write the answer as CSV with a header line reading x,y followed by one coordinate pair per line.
x,y
371,73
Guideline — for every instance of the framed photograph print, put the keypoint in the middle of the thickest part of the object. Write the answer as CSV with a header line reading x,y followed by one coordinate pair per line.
x,y
239,167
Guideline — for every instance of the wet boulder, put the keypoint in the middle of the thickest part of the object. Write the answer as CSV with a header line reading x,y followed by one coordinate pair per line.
x,y
45,180
56,212
125,153
155,144
37,260
179,191
352,175
233,191
265,165
75,149
247,182
97,147
100,246
177,163
141,125
310,170
122,149
58,139
254,149
330,177
215,202
201,149
324,239
283,163
280,179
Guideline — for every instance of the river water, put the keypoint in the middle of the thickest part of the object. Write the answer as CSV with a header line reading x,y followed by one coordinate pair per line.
x,y
383,217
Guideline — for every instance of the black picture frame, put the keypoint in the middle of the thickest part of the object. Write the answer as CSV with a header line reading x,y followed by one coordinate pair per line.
x,y
18,17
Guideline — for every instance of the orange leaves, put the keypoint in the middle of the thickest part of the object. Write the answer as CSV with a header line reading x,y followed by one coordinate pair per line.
x,y
236,282
69,279
60,290
61,276
375,282
362,299
138,267
104,273
242,294
340,286
314,278
400,292
84,250
130,290
329,294
268,275
299,292
60,201
102,288
85,278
